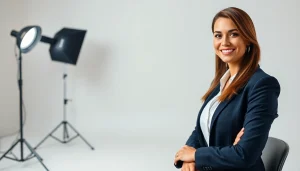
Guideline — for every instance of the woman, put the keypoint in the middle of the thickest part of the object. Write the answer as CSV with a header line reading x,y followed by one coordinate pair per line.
x,y
234,121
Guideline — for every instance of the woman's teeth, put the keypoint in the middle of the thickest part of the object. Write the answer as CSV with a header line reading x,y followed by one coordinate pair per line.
x,y
227,51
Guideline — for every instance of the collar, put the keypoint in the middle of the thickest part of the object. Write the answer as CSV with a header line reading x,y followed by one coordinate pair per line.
x,y
224,79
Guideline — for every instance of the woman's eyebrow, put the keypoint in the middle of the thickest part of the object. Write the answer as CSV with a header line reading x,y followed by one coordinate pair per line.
x,y
228,31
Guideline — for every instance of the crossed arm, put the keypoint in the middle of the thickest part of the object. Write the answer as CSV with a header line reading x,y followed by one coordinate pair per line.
x,y
187,154
261,111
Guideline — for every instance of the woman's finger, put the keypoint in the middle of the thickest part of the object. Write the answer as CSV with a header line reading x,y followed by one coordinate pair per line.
x,y
238,137
177,158
191,167
184,167
240,133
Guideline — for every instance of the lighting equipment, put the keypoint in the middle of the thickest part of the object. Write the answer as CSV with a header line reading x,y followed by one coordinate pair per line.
x,y
65,47
26,39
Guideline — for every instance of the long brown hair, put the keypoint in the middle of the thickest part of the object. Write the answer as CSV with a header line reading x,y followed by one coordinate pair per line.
x,y
250,60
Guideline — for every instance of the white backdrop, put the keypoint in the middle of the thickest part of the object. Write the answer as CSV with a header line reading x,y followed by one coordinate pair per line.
x,y
143,67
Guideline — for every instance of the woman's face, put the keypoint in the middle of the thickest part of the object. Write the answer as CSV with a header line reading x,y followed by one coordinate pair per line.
x,y
228,43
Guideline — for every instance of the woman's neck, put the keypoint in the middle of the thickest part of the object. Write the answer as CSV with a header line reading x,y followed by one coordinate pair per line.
x,y
233,69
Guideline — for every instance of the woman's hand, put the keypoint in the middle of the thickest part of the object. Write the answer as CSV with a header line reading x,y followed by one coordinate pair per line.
x,y
188,166
238,137
185,154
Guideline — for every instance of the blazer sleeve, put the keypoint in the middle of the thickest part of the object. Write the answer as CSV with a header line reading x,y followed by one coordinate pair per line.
x,y
261,112
192,142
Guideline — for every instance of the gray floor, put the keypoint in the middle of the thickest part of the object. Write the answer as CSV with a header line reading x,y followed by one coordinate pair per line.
x,y
113,153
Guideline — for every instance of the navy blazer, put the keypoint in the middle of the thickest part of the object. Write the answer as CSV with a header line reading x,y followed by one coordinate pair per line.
x,y
254,107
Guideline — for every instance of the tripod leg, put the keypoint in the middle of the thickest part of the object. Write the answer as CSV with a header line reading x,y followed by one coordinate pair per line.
x,y
11,153
48,135
36,155
81,136
65,132
9,150
29,156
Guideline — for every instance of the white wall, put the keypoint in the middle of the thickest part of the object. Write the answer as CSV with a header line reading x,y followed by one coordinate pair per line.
x,y
9,104
143,66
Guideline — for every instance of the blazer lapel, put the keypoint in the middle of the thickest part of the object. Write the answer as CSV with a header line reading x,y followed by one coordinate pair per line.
x,y
219,109
215,92
221,106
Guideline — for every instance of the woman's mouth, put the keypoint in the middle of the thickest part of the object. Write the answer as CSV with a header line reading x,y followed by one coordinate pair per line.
x,y
227,51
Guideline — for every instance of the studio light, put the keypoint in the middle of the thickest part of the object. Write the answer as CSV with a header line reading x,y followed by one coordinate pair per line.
x,y
27,38
64,47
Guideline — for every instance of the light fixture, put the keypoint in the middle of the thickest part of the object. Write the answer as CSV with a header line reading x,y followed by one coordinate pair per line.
x,y
27,38
65,45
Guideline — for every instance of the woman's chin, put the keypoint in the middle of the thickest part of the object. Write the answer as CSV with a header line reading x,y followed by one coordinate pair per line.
x,y
226,59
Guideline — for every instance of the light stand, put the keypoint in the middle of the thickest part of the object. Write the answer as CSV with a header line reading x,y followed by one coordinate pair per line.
x,y
65,123
22,140
65,47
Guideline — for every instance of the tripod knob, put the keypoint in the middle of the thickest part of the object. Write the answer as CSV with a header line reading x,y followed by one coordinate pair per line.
x,y
66,100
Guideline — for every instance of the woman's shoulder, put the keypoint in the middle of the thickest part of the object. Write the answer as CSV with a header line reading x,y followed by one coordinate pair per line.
x,y
261,78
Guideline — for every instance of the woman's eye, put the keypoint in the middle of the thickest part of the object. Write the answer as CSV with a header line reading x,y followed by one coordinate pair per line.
x,y
234,34
217,35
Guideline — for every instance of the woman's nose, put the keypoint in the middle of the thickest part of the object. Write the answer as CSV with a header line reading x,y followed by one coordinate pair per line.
x,y
225,41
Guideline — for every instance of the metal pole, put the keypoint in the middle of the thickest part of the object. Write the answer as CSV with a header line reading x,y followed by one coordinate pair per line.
x,y
21,105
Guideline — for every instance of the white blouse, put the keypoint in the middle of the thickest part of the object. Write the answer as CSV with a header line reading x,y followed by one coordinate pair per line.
x,y
211,106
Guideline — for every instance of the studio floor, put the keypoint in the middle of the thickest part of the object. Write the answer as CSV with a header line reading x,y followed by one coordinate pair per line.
x,y
111,153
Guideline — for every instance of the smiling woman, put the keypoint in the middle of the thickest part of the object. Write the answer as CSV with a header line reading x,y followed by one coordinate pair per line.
x,y
228,43
239,107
